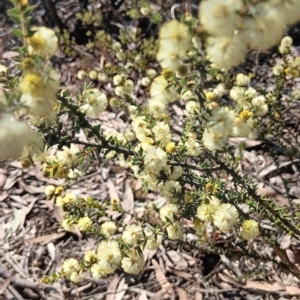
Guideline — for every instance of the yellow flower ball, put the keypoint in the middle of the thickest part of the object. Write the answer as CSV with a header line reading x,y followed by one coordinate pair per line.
x,y
250,230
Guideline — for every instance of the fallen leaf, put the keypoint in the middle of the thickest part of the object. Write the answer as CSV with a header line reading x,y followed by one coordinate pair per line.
x,y
10,54
198,296
161,278
121,290
5,284
178,260
294,256
51,251
265,171
285,241
292,290
58,213
3,178
149,254
31,189
182,294
143,296
127,201
45,238
158,295
182,274
11,180
112,191
225,278
263,286
17,220
4,196
112,287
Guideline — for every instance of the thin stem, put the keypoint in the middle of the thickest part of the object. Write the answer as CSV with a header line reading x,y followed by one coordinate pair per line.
x,y
23,27
86,124
105,144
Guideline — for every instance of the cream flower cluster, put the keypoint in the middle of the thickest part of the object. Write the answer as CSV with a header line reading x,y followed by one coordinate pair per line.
x,y
71,267
161,94
69,198
174,41
94,102
134,234
248,98
291,64
17,139
249,230
39,95
154,135
123,85
220,125
174,227
43,41
40,84
225,122
234,27
109,258
108,228
192,101
59,165
193,147
133,263
223,215
82,224
153,241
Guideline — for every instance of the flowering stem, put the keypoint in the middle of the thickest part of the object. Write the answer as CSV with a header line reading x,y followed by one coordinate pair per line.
x,y
192,167
119,149
252,193
86,124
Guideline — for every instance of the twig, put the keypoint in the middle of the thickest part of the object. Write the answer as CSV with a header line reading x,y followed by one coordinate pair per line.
x,y
26,283
226,262
15,265
214,291
15,293
192,167
5,284
50,6
104,143
81,289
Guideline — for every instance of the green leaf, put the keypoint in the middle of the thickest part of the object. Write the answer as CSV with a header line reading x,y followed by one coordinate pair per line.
x,y
15,18
55,170
183,81
81,159
167,220
29,8
90,134
13,11
97,127
18,32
